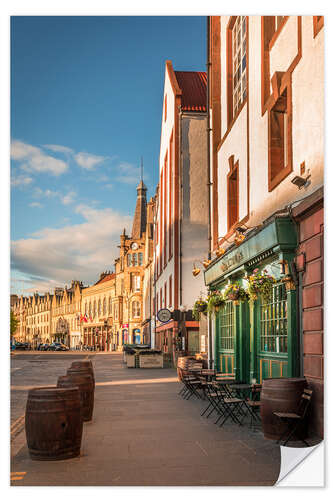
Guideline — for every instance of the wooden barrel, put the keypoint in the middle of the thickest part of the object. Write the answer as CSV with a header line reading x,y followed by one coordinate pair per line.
x,y
80,366
86,387
280,395
53,423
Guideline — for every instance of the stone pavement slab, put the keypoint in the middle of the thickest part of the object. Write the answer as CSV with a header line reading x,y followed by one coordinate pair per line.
x,y
143,433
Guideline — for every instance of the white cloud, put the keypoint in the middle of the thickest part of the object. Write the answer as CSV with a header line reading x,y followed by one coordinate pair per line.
x,y
88,161
128,173
59,149
21,180
68,198
35,204
79,251
65,199
33,159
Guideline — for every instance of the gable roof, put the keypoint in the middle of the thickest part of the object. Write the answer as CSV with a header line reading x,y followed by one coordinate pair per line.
x,y
193,85
108,277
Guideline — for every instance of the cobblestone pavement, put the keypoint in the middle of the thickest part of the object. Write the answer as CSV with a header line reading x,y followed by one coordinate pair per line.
x,y
142,433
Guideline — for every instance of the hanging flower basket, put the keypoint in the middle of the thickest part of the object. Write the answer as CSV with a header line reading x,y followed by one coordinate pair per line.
x,y
216,301
200,306
236,293
260,284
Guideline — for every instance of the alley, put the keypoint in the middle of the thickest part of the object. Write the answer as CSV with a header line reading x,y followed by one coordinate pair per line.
x,y
144,433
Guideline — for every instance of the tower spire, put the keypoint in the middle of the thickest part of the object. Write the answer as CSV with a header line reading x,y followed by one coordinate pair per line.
x,y
141,178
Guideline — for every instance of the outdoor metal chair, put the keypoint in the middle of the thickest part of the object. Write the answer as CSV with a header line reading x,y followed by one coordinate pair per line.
x,y
254,404
191,387
228,407
295,420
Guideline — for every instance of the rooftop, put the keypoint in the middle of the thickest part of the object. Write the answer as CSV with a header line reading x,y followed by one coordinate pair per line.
x,y
193,85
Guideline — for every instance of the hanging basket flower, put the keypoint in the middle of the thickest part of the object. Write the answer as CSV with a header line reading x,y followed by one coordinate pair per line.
x,y
216,301
200,306
236,293
260,284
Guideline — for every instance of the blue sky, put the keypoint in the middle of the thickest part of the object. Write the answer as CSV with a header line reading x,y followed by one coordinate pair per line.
x,y
86,104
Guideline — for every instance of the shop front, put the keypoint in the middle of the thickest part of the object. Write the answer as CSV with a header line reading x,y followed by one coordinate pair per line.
x,y
257,337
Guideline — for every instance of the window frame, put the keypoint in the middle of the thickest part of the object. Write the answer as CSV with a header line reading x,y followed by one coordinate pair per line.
x,y
281,84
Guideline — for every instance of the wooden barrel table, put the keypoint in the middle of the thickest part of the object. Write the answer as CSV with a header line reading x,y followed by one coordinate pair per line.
x,y
84,382
53,423
80,366
279,395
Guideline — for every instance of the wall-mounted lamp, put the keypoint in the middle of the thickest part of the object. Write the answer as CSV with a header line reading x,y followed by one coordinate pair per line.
x,y
283,266
195,270
219,252
300,181
206,263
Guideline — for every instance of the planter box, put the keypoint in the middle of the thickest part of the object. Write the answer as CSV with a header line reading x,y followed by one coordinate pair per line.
x,y
151,361
130,360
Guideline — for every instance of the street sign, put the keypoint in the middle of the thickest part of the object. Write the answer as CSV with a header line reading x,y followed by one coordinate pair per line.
x,y
164,315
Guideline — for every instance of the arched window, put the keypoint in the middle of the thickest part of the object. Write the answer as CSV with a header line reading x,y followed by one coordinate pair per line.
x,y
85,308
136,309
110,306
104,306
99,307
89,308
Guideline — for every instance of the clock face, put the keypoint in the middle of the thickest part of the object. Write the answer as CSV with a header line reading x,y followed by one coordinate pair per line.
x,y
164,315
134,246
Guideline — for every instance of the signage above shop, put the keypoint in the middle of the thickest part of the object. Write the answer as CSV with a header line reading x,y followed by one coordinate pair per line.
x,y
278,236
164,315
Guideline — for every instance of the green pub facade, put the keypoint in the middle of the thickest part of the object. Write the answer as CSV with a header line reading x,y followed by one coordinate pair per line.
x,y
254,340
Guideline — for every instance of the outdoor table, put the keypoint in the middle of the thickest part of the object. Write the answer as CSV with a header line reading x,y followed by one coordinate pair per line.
x,y
225,383
242,390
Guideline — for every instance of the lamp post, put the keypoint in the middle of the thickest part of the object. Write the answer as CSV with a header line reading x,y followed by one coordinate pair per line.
x,y
183,330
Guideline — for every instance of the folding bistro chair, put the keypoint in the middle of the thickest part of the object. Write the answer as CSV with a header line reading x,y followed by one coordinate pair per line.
x,y
254,404
192,385
294,420
227,407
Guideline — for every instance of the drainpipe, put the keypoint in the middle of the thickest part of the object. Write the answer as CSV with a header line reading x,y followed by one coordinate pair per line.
x,y
209,322
180,116
208,65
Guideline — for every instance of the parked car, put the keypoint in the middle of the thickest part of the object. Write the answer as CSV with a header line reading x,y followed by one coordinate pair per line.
x,y
44,347
58,346
23,346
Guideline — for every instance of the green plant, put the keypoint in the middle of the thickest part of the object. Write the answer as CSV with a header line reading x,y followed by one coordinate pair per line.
x,y
13,323
200,306
260,284
236,293
216,300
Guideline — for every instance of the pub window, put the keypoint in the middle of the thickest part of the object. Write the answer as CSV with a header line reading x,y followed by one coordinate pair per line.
x,y
273,321
227,321
233,193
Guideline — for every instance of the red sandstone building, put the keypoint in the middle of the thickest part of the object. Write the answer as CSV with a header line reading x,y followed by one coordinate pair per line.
x,y
266,122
